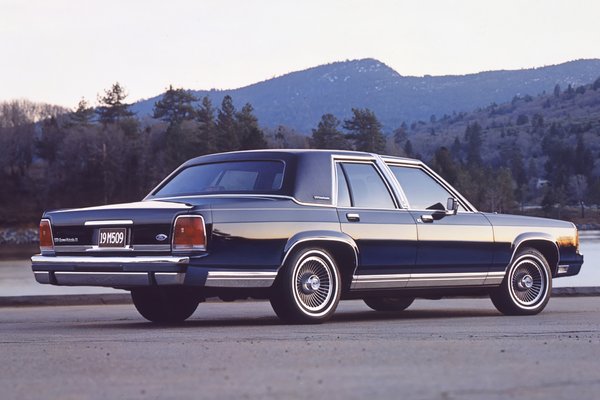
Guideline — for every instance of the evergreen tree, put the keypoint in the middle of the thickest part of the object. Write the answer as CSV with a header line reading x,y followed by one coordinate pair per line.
x,y
227,135
206,135
557,90
444,165
584,159
456,150
408,149
83,115
50,140
327,135
365,130
175,106
251,137
112,105
474,142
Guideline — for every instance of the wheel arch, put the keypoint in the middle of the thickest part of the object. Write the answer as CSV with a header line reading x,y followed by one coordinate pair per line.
x,y
543,243
341,246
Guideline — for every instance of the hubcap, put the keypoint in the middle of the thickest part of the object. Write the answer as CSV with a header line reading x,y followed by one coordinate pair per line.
x,y
528,282
310,284
314,284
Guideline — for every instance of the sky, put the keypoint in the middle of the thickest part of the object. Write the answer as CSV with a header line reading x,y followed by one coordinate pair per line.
x,y
58,51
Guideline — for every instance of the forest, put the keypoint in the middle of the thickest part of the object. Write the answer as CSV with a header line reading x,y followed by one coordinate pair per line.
x,y
533,155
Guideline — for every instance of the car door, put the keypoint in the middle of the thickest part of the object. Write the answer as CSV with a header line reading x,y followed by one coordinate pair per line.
x,y
454,249
385,235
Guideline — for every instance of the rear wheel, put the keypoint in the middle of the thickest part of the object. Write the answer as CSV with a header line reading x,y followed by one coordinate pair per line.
x,y
307,290
527,286
165,305
389,303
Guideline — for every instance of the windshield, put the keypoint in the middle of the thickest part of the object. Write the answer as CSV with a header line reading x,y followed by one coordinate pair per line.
x,y
259,177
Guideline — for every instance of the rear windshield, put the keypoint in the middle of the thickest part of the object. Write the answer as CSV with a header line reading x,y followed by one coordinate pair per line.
x,y
260,177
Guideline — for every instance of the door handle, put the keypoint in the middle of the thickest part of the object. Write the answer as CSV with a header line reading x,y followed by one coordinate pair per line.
x,y
353,217
427,218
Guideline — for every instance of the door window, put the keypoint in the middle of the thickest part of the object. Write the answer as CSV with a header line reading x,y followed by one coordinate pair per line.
x,y
422,191
366,188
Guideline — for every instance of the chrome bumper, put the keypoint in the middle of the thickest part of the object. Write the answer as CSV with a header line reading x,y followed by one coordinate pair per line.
x,y
126,272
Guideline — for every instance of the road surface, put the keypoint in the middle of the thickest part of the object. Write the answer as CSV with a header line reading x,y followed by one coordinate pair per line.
x,y
448,349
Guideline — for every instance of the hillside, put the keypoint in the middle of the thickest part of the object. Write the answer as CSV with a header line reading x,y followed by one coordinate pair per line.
x,y
298,99
521,123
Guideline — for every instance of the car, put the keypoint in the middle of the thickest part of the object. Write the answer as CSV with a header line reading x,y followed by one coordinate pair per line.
x,y
305,229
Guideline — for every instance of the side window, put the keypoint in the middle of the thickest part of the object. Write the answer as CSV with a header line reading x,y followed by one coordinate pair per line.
x,y
366,187
342,189
422,191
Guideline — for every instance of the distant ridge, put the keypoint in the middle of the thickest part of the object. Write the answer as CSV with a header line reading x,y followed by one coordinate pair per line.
x,y
298,99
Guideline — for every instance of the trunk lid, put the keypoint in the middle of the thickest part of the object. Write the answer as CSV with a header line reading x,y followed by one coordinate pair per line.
x,y
146,228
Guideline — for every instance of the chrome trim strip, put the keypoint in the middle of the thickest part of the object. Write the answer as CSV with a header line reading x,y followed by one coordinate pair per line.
x,y
109,222
70,260
448,279
244,279
137,247
169,278
425,280
563,269
42,276
110,279
494,278
151,247
379,281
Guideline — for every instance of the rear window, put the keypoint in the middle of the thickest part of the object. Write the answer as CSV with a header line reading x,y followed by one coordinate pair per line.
x,y
260,177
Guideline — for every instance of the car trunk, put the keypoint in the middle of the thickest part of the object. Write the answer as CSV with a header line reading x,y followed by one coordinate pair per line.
x,y
141,228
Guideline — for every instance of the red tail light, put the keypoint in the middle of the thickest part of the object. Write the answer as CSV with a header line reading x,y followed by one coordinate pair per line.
x,y
46,241
188,233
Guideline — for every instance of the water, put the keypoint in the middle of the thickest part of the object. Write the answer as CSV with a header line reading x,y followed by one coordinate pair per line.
x,y
590,272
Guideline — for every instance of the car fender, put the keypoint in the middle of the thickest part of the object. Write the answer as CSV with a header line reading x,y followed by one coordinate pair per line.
x,y
528,237
303,238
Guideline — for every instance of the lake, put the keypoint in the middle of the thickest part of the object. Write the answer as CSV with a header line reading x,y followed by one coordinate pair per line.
x,y
590,272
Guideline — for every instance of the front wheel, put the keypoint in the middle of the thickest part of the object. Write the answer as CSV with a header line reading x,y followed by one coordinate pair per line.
x,y
307,290
527,286
165,305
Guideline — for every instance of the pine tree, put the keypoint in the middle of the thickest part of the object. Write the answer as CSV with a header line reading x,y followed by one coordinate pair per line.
x,y
83,115
251,137
227,135
474,142
365,131
175,106
444,165
112,106
206,133
408,149
327,135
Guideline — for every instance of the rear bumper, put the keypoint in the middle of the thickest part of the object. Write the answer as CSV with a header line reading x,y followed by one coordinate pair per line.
x,y
129,272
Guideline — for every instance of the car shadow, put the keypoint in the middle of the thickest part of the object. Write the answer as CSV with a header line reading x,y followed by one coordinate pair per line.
x,y
341,317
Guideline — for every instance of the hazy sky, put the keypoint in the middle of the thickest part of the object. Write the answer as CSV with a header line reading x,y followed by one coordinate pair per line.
x,y
57,51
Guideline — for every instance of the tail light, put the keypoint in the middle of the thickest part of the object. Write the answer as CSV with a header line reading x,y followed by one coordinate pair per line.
x,y
46,241
188,233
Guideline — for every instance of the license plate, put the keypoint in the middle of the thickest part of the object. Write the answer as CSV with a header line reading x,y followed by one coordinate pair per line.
x,y
112,237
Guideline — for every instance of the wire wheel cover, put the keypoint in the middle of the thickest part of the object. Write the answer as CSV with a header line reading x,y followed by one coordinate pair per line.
x,y
313,286
528,282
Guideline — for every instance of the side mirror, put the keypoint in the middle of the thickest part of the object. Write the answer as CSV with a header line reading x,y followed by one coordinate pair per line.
x,y
451,206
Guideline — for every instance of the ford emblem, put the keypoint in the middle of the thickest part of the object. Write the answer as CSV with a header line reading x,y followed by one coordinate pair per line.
x,y
161,236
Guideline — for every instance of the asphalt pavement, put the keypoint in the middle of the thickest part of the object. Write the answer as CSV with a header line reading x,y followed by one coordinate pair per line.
x,y
446,349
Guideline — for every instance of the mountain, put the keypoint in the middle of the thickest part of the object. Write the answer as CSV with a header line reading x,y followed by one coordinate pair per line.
x,y
299,99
